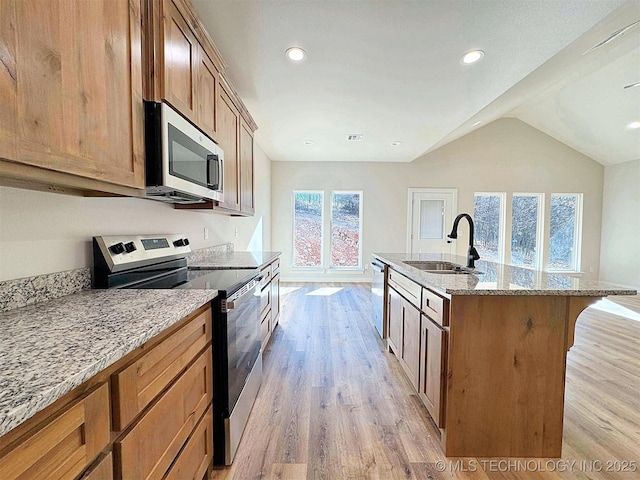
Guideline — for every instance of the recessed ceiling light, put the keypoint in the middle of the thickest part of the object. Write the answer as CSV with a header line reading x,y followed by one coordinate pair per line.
x,y
635,124
295,54
308,142
395,144
472,57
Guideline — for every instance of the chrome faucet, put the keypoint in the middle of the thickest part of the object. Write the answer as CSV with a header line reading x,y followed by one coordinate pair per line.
x,y
472,253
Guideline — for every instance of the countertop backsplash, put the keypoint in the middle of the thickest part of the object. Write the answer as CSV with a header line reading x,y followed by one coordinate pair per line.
x,y
41,288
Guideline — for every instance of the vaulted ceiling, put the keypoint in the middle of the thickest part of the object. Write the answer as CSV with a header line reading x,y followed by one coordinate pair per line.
x,y
391,71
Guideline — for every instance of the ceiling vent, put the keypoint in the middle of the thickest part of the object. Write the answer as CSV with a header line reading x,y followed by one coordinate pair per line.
x,y
355,137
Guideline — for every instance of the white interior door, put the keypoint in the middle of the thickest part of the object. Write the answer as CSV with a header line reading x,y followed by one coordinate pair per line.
x,y
430,219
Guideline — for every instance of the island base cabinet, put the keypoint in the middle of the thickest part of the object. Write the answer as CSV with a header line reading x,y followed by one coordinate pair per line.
x,y
433,369
101,470
410,357
64,447
506,372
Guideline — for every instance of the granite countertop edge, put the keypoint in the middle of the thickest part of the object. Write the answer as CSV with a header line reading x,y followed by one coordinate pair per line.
x,y
464,284
121,321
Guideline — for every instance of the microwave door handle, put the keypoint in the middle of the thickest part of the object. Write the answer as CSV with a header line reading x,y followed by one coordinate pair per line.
x,y
221,175
209,160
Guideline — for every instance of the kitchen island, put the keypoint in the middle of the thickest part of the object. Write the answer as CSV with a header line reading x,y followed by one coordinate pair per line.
x,y
486,350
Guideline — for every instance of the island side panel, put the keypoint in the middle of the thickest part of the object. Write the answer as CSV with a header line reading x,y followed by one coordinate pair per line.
x,y
506,370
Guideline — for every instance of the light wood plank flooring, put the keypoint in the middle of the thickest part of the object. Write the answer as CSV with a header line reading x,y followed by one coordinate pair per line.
x,y
335,405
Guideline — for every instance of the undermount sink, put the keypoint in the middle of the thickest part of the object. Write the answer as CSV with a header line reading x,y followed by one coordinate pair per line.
x,y
440,267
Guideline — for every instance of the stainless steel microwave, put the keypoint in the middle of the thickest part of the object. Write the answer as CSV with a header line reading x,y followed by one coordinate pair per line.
x,y
183,165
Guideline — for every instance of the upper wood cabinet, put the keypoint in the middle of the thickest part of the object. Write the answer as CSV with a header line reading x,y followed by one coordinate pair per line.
x,y
229,117
247,196
71,93
189,79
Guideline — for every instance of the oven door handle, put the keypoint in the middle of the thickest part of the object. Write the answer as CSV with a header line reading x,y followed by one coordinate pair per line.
x,y
242,298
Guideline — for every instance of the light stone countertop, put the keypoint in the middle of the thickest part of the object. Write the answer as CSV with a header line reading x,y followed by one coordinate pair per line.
x,y
231,260
492,278
49,348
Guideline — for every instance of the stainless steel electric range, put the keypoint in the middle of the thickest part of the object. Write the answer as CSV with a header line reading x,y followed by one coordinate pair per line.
x,y
159,261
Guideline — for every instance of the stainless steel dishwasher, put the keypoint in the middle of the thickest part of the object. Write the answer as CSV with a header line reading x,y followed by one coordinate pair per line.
x,y
378,270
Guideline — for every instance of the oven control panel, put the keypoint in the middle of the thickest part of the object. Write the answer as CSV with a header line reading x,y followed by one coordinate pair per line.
x,y
124,252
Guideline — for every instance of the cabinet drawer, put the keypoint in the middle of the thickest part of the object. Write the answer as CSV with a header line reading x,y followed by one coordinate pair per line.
x,y
150,447
407,288
435,307
275,268
63,447
266,275
137,385
196,456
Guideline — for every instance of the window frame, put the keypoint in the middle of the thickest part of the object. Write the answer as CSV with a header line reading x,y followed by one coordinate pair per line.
x,y
502,221
293,232
577,234
540,223
360,205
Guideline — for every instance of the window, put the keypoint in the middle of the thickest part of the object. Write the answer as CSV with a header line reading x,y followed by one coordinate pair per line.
x,y
489,216
565,231
346,229
307,228
526,229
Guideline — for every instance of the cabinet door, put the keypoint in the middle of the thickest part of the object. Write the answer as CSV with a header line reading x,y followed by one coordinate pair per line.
x,y
8,82
63,447
101,470
180,55
275,300
394,312
246,169
411,342
228,133
206,93
433,362
74,86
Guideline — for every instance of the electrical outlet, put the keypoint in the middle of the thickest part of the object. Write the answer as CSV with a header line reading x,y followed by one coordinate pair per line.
x,y
236,232
591,269
206,233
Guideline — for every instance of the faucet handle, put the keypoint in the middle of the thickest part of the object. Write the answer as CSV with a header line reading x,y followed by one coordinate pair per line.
x,y
474,253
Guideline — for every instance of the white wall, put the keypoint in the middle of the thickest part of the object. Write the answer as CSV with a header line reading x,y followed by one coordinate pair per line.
x,y
620,251
506,155
48,232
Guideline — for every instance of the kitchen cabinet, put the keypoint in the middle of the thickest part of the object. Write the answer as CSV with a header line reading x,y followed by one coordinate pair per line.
x,y
71,94
275,293
269,300
417,338
432,360
395,321
189,76
247,194
64,446
147,415
229,117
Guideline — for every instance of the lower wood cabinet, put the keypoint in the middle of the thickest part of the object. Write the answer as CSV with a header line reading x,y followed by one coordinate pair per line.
x,y
395,322
147,416
64,446
432,359
196,456
418,339
149,448
275,300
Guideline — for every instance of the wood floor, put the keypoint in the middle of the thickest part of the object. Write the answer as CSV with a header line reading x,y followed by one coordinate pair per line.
x,y
335,405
